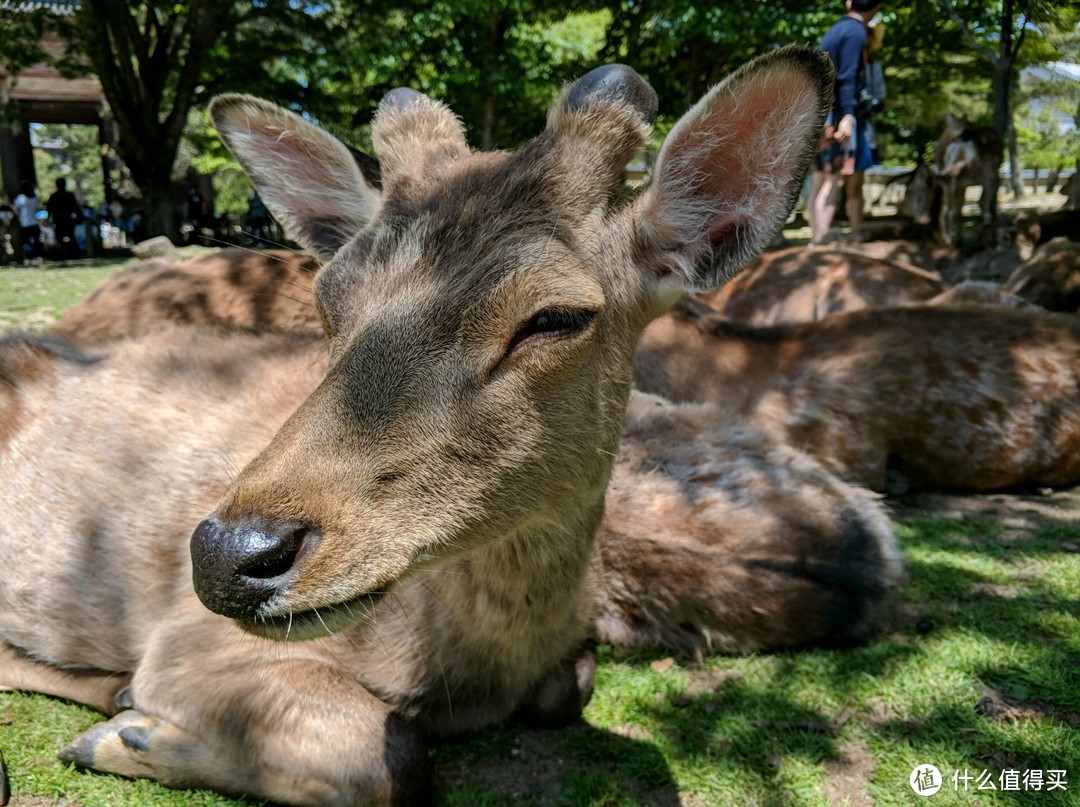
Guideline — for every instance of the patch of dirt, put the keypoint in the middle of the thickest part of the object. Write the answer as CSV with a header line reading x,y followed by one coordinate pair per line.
x,y
530,764
704,681
847,777
997,706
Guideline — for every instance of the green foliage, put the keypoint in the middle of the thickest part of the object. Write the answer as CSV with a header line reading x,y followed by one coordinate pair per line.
x,y
683,47
1043,142
72,152
498,65
201,150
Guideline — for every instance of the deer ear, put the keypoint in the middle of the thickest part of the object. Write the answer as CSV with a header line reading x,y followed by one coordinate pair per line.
x,y
732,168
308,179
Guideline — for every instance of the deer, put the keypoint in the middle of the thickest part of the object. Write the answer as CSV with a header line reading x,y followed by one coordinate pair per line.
x,y
679,592
434,501
967,155
954,397
1050,279
803,285
229,288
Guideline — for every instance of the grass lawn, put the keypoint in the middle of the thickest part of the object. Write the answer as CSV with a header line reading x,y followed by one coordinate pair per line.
x,y
982,673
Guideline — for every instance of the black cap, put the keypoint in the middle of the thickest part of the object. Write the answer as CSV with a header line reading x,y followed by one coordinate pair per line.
x,y
864,5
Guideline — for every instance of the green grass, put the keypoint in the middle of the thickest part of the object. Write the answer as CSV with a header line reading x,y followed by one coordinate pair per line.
x,y
999,611
34,297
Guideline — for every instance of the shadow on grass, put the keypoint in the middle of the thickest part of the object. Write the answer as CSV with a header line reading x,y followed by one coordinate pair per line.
x,y
991,750
974,593
577,765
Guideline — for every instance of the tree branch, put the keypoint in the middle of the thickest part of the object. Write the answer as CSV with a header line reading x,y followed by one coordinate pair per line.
x,y
970,37
1019,41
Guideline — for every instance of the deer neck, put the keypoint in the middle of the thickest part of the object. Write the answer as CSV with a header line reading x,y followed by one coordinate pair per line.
x,y
518,599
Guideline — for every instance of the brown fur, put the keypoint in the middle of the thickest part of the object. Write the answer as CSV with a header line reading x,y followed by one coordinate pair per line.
x,y
1051,277
802,285
434,499
951,397
981,292
735,561
229,288
717,538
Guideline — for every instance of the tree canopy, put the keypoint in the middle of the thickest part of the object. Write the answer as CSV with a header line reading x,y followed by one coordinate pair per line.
x,y
499,64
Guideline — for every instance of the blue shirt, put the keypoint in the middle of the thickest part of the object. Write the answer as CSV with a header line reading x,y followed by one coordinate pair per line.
x,y
845,43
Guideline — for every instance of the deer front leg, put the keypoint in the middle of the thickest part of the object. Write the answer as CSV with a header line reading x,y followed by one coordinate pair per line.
x,y
246,716
93,688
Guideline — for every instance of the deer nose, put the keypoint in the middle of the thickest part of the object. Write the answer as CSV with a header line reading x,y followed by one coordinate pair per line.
x,y
237,568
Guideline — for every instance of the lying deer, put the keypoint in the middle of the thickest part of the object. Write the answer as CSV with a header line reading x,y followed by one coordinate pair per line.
x,y
1051,277
802,285
233,288
685,583
716,537
966,397
433,502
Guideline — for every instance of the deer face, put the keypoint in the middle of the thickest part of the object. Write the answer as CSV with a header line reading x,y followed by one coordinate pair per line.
x,y
481,314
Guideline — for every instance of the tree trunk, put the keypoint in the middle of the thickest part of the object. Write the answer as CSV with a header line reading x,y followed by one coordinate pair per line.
x,y
491,121
1016,171
160,211
136,74
1001,96
1052,180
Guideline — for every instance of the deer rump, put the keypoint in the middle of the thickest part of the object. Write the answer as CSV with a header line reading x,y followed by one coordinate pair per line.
x,y
427,491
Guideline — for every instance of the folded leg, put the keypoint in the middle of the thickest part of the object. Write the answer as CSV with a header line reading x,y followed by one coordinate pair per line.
x,y
216,709
94,688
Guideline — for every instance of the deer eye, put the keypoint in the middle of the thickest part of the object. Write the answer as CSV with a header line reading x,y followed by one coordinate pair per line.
x,y
552,323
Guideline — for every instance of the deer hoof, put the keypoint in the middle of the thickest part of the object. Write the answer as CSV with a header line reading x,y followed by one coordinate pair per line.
x,y
130,729
124,699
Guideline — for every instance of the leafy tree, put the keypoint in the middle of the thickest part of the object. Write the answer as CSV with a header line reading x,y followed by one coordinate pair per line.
x,y
71,152
1007,34
683,47
1044,142
202,150
497,64
158,59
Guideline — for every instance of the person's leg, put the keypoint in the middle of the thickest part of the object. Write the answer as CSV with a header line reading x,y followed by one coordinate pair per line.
x,y
853,187
26,243
824,206
808,207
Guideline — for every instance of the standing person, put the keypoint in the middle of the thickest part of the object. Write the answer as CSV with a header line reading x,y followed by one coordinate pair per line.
x,y
28,205
65,211
847,150
8,218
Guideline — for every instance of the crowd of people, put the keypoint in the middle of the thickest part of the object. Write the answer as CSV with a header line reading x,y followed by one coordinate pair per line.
x,y
62,227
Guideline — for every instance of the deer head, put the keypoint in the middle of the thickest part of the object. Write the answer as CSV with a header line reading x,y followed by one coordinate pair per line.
x,y
481,312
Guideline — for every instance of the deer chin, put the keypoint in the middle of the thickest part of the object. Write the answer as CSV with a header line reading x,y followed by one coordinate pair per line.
x,y
286,625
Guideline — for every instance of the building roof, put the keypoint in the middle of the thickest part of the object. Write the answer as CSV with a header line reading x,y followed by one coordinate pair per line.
x,y
56,6
1053,71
